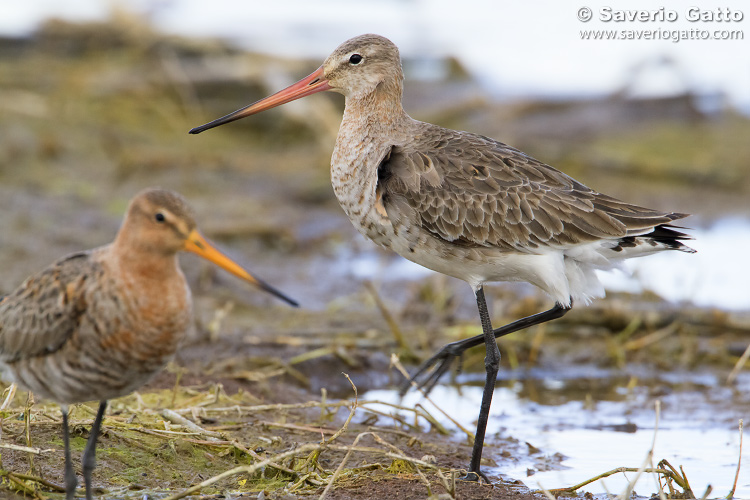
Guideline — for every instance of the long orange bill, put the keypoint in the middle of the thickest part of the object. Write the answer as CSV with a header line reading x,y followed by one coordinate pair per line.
x,y
305,87
198,245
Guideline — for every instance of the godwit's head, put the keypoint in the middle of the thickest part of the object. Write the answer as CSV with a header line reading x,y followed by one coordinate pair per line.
x,y
159,223
359,67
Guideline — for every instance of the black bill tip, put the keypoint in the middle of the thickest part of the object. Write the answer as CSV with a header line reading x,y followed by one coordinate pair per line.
x,y
268,288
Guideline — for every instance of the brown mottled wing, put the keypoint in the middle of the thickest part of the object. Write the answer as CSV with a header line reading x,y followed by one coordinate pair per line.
x,y
472,190
43,313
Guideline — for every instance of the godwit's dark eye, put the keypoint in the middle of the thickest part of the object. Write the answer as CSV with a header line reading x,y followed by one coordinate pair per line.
x,y
355,59
159,217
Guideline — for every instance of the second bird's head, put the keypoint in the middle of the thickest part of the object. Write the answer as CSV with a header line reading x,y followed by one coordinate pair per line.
x,y
160,223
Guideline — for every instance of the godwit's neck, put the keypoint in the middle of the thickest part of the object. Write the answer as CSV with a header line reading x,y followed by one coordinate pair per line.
x,y
366,135
368,127
152,287
142,263
370,124
379,112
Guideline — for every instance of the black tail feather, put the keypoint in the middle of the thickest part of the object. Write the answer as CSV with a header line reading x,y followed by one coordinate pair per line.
x,y
668,236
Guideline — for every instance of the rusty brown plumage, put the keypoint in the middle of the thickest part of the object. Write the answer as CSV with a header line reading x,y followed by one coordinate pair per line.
x,y
98,324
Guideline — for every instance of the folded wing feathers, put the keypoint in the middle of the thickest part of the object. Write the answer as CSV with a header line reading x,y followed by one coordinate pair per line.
x,y
472,190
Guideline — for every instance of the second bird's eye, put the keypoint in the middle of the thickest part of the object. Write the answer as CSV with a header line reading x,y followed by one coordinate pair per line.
x,y
159,217
355,59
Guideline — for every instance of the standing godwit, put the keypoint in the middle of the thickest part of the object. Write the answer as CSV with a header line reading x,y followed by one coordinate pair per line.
x,y
97,325
465,205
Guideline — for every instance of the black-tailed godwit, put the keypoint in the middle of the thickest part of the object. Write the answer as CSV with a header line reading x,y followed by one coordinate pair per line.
x,y
466,205
99,324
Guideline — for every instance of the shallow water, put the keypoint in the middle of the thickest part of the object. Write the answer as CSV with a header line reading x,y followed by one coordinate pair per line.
x,y
697,429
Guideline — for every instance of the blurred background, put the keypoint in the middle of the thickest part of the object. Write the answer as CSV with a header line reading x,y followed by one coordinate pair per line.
x,y
110,89
96,99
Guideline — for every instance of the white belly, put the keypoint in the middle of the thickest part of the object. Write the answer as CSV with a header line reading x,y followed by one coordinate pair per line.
x,y
559,276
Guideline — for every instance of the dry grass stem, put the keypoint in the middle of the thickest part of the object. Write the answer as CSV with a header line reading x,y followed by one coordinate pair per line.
x,y
617,470
130,442
387,454
536,343
395,449
27,428
385,430
397,363
11,392
421,411
739,461
239,409
27,449
625,495
298,427
312,354
341,431
253,454
418,411
220,314
247,469
21,485
448,483
657,480
397,455
395,417
42,481
739,365
395,329
641,342
307,448
547,493
176,418
340,468
351,413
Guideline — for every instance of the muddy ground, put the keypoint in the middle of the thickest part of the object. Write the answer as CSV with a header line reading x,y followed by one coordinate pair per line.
x,y
93,113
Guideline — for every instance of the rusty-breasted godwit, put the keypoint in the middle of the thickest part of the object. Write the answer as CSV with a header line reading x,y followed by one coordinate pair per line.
x,y
465,205
97,325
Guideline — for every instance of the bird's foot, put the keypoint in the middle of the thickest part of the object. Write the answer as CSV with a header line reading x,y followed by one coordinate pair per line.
x,y
474,476
429,372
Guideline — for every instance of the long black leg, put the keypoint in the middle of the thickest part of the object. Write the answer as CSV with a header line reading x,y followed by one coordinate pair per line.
x,y
70,476
443,359
491,365
88,461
